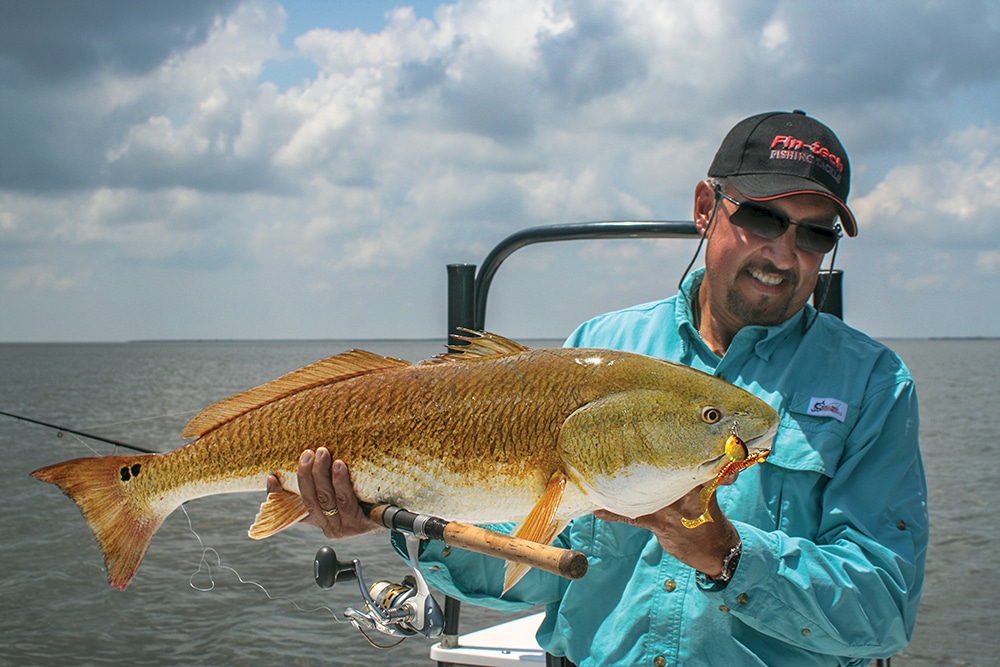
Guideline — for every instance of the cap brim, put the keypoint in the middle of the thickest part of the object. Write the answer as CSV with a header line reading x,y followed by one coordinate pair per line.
x,y
766,187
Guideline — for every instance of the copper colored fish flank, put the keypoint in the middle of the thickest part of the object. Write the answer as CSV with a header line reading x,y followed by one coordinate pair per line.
x,y
474,437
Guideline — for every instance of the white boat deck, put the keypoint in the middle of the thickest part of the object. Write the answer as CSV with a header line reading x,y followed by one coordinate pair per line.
x,y
503,645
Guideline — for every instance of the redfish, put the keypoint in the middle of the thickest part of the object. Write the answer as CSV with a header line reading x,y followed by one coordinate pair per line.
x,y
496,433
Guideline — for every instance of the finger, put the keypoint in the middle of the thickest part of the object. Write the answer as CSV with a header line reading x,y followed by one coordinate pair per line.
x,y
273,485
321,479
352,517
729,479
307,490
606,515
304,474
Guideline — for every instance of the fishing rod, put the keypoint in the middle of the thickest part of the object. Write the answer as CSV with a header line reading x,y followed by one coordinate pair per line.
x,y
91,436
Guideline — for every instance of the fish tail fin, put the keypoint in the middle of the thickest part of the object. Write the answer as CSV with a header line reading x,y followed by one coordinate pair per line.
x,y
122,519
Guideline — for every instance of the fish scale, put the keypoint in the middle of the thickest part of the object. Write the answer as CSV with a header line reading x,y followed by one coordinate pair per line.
x,y
498,433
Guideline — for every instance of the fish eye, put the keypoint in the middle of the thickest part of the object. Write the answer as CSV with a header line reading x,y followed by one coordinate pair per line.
x,y
711,415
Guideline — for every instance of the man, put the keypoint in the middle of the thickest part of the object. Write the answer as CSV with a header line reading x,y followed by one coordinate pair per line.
x,y
817,555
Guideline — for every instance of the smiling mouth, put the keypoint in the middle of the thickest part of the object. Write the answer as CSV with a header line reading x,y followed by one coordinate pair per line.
x,y
767,278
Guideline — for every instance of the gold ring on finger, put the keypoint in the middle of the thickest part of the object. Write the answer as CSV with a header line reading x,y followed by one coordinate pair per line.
x,y
331,512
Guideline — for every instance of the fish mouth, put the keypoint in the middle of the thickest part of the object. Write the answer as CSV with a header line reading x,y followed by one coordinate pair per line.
x,y
759,447
763,444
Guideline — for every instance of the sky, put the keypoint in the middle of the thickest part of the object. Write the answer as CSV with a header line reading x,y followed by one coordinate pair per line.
x,y
227,169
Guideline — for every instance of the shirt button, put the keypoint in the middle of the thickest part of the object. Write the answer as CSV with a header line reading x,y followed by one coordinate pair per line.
x,y
659,661
742,599
669,585
446,552
806,632
723,608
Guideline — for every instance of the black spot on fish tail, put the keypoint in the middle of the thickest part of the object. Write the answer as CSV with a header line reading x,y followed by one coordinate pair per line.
x,y
128,473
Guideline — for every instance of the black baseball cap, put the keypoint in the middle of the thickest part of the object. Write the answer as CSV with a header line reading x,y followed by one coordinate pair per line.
x,y
777,154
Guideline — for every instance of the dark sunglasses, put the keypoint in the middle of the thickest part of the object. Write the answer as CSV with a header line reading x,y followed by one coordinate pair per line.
x,y
769,224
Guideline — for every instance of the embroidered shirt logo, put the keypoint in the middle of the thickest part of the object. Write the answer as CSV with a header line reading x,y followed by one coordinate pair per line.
x,y
827,407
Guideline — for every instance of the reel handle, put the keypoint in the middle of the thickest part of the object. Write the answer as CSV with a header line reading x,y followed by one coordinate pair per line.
x,y
328,570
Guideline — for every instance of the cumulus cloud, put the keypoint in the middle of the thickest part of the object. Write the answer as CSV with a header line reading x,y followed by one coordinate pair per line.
x,y
46,41
160,137
949,192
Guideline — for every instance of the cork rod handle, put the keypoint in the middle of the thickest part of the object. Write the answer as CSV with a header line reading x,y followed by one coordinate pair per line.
x,y
563,562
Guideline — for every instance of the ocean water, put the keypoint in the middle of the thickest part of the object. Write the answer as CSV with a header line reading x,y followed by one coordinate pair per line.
x,y
207,595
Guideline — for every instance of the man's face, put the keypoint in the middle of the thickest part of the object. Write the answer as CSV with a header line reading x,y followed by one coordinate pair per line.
x,y
753,280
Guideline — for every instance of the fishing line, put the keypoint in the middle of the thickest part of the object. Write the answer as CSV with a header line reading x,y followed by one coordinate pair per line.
x,y
150,418
205,569
83,442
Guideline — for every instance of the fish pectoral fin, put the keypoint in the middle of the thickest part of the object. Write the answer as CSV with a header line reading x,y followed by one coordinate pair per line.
x,y
539,526
514,572
281,510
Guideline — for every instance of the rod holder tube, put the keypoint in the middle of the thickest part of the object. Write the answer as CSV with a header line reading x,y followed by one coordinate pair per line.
x,y
461,298
452,611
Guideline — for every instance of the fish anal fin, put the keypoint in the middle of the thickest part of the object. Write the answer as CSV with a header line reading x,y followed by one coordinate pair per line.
x,y
539,526
280,510
333,369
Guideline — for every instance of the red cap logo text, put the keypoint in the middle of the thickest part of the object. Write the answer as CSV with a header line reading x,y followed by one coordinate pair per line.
x,y
786,147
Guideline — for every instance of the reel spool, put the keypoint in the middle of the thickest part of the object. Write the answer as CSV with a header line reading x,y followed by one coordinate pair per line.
x,y
397,609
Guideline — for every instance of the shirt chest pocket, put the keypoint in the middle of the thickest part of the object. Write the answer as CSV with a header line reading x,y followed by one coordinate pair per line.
x,y
786,491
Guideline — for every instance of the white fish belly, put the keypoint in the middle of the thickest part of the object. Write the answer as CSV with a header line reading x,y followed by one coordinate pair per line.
x,y
199,489
431,488
642,490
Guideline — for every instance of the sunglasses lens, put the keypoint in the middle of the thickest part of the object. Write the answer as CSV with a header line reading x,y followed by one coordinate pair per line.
x,y
815,239
767,224
758,221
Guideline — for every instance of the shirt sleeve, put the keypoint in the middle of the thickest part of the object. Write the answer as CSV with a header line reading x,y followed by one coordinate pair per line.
x,y
854,588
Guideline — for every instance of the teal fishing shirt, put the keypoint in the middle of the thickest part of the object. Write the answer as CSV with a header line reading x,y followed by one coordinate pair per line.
x,y
834,523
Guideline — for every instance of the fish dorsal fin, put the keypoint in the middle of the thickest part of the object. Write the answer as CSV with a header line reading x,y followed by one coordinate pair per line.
x,y
478,345
333,369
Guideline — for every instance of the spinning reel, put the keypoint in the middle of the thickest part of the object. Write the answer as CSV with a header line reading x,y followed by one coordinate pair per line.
x,y
400,610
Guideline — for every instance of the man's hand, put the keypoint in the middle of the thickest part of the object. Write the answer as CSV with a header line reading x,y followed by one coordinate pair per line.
x,y
327,492
703,548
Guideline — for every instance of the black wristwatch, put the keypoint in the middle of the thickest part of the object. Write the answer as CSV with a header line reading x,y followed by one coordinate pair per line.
x,y
729,564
